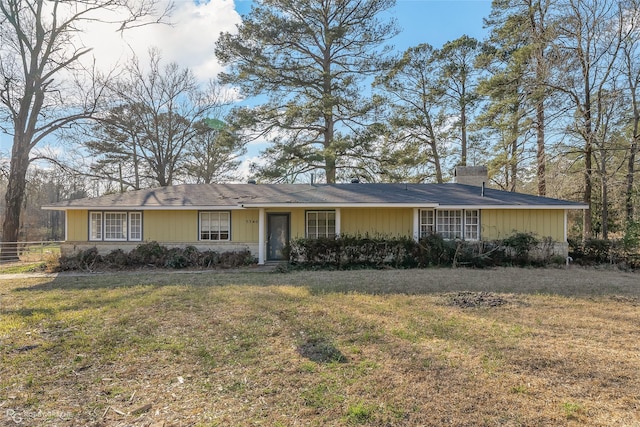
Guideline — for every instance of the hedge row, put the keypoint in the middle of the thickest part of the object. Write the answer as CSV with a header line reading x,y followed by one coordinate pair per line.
x,y
366,252
599,251
153,254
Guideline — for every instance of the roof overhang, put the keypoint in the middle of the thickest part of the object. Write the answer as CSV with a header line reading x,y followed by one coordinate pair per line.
x,y
143,208
310,205
529,207
339,205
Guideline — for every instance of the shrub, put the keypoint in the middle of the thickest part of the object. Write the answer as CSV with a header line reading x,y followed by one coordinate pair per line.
x,y
153,254
176,258
350,252
521,244
83,260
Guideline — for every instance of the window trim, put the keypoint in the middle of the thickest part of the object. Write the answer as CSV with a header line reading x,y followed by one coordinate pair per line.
x,y
91,228
437,227
451,226
317,236
476,225
102,215
126,226
429,227
129,219
228,239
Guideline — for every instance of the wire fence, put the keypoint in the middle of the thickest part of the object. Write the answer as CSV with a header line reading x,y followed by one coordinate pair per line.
x,y
28,251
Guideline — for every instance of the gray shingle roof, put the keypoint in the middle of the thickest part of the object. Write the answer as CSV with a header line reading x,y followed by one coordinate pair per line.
x,y
203,196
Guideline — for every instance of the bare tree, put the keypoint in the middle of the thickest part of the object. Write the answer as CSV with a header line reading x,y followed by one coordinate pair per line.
x,y
149,136
631,73
588,44
39,54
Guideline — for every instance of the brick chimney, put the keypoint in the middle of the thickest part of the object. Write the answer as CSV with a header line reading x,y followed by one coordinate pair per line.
x,y
471,175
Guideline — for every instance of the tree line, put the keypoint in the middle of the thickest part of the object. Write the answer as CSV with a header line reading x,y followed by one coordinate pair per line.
x,y
548,101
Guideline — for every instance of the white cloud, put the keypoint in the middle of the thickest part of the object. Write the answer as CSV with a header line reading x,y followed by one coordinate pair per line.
x,y
189,40
244,170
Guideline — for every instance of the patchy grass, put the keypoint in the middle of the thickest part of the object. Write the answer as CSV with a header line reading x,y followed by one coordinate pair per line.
x,y
375,348
23,267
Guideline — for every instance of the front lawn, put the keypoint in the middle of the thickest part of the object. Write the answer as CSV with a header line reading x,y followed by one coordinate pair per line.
x,y
376,348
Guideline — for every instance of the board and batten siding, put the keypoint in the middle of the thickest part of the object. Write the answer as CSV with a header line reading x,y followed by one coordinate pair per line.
x,y
78,225
244,226
380,222
502,223
170,226
182,226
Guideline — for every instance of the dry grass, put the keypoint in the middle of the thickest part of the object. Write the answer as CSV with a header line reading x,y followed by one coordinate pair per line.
x,y
379,348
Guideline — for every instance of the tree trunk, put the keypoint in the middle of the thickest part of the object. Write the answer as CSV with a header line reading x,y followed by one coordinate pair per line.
x,y
604,191
463,136
631,165
438,166
588,157
540,155
14,197
630,176
588,190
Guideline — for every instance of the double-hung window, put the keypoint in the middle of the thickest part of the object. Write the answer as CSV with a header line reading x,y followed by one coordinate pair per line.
x,y
471,225
95,226
115,226
321,224
215,225
427,225
451,223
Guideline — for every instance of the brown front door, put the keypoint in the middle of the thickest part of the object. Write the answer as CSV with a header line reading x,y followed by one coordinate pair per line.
x,y
277,235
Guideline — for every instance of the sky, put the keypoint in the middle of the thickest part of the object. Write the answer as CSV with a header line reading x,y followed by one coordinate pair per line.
x,y
195,25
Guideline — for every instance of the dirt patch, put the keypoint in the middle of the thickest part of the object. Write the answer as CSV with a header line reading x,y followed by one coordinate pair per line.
x,y
321,350
478,299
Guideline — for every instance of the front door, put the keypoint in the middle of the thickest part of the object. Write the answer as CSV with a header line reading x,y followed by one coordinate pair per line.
x,y
277,235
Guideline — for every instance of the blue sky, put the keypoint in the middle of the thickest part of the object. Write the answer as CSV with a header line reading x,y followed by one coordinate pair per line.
x,y
429,21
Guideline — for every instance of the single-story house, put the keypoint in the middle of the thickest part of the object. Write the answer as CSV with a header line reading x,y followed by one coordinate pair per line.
x,y
264,217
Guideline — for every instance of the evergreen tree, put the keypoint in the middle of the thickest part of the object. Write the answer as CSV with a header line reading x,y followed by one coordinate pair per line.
x,y
309,60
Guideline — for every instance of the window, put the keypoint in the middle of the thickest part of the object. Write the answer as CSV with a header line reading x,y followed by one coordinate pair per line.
x,y
426,223
135,226
321,224
115,226
214,225
95,226
471,225
451,224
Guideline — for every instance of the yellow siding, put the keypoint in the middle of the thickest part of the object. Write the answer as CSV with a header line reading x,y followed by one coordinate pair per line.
x,y
244,226
170,226
182,226
77,226
498,224
387,222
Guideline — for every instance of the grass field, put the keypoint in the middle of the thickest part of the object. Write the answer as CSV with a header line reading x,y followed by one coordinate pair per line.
x,y
508,347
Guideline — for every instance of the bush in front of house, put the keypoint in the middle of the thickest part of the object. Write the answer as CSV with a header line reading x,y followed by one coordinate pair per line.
x,y
623,253
152,254
350,252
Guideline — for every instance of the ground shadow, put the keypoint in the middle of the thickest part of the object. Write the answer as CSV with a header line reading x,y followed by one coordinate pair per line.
x,y
572,282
